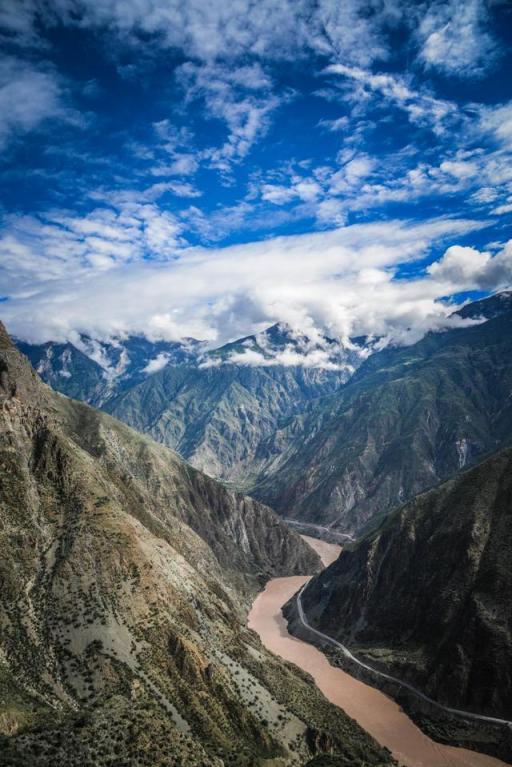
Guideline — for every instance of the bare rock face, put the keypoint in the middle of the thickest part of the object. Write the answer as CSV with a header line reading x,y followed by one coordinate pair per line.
x,y
427,596
124,581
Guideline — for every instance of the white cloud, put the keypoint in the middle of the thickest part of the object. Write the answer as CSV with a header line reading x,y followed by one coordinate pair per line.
x,y
460,169
64,271
35,251
177,188
471,269
277,193
421,107
339,281
182,165
497,121
454,38
484,195
354,30
315,358
240,97
500,210
28,97
460,266
157,363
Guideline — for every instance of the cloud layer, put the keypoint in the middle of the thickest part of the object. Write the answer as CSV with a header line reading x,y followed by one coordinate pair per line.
x,y
208,169
343,282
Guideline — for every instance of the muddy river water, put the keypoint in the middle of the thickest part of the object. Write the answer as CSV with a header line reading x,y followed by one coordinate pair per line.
x,y
374,711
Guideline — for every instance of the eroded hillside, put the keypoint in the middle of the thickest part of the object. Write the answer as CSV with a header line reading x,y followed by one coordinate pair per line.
x,y
125,580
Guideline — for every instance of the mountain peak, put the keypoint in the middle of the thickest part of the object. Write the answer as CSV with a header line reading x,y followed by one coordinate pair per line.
x,y
5,339
17,377
488,308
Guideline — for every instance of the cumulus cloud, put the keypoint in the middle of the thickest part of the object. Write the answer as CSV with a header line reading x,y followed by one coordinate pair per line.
x,y
341,282
472,269
460,266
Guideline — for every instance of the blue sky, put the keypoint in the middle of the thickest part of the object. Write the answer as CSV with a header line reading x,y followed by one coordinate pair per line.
x,y
206,168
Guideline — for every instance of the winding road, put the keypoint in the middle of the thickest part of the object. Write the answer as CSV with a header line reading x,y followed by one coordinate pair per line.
x,y
414,690
374,711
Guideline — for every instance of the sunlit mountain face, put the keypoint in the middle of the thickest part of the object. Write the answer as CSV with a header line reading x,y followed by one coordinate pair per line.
x,y
175,171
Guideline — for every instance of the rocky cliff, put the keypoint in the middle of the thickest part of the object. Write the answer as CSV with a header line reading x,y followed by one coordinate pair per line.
x,y
427,597
124,580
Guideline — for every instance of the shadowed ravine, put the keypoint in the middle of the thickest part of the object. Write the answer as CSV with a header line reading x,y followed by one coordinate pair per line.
x,y
374,711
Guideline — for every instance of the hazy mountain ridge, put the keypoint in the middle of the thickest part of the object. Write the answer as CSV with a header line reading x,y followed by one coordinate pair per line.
x,y
95,371
213,411
124,581
280,344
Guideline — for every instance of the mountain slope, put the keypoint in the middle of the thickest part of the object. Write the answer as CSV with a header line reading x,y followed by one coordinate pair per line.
x,y
315,447
427,596
125,576
409,418
95,371
67,369
282,345
217,417
214,407
488,308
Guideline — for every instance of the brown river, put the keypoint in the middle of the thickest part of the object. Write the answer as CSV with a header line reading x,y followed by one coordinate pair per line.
x,y
373,710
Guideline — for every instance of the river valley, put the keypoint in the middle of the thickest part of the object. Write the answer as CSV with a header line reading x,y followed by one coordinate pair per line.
x,y
373,710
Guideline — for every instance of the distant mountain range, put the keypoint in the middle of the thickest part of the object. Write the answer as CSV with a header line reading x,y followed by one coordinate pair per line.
x,y
409,418
95,371
337,440
214,407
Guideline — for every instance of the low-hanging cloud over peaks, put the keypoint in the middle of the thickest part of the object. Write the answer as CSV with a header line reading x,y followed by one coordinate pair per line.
x,y
342,283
